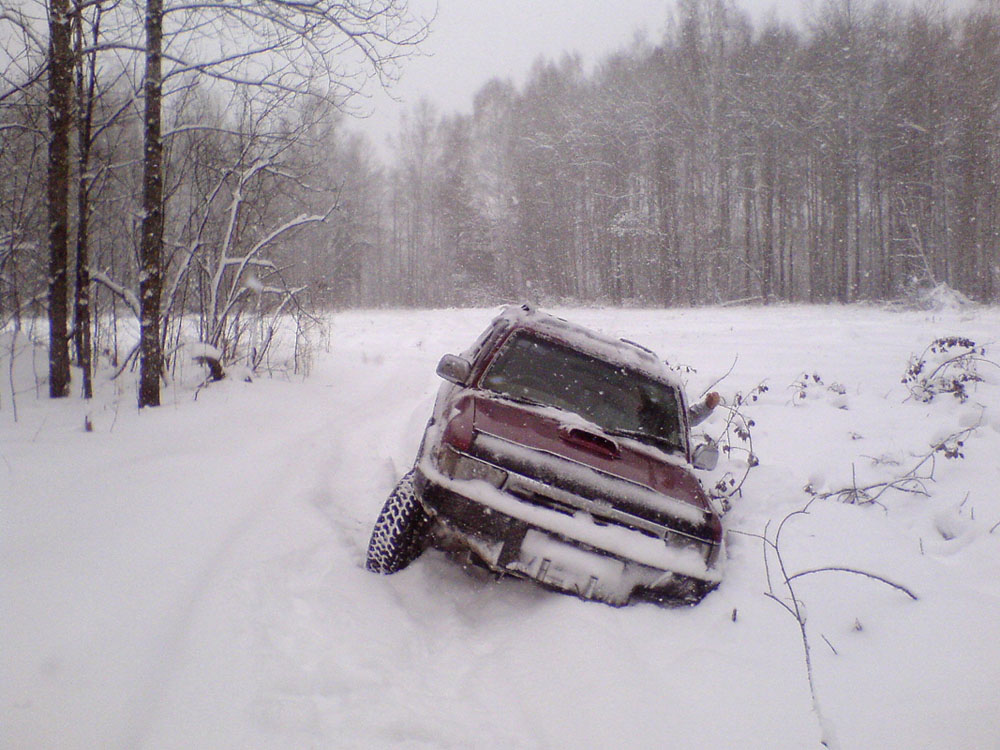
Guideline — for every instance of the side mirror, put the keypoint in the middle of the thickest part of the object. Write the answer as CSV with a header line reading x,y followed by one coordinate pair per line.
x,y
705,456
454,369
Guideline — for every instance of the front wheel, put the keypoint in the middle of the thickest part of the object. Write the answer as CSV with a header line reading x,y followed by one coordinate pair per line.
x,y
400,532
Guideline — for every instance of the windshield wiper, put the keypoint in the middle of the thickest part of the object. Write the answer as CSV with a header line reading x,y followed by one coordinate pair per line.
x,y
645,437
517,399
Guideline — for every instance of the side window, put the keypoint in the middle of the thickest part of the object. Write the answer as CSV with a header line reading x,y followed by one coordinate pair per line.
x,y
485,343
473,351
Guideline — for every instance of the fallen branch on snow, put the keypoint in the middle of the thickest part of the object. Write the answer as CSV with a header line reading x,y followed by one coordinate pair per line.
x,y
913,481
781,590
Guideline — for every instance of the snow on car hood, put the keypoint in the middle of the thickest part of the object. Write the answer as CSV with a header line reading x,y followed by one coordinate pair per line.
x,y
660,480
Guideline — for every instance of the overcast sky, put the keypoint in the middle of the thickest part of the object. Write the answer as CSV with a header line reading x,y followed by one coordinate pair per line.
x,y
472,41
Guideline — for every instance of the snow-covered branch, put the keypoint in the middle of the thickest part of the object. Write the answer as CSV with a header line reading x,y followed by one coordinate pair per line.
x,y
126,295
249,260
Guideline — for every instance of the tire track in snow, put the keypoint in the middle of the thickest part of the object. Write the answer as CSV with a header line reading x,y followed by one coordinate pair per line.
x,y
174,642
342,474
349,652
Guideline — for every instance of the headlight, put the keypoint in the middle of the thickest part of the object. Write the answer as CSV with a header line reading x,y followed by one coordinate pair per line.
x,y
461,466
680,541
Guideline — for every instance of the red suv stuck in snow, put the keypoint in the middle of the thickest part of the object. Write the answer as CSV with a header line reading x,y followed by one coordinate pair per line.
x,y
564,456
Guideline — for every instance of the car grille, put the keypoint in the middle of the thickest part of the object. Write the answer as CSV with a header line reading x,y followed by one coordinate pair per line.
x,y
538,479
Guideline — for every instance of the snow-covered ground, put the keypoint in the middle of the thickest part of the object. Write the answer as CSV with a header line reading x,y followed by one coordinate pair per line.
x,y
192,576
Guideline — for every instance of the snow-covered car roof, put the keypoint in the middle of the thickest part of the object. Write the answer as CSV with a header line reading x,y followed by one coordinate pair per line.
x,y
617,351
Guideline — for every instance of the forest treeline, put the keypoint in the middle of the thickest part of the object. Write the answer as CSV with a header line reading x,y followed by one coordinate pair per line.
x,y
855,157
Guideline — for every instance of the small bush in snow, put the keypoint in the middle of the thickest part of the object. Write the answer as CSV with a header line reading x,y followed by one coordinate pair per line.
x,y
937,298
947,365
735,440
812,386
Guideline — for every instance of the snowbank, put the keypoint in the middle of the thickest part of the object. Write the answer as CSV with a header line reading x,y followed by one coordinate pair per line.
x,y
192,576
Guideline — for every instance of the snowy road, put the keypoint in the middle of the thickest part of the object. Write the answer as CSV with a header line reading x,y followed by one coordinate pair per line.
x,y
193,576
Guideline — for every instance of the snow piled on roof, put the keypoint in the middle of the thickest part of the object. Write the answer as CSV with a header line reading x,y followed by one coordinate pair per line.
x,y
624,353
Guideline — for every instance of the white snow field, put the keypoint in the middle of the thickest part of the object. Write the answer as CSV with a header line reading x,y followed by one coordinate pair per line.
x,y
192,576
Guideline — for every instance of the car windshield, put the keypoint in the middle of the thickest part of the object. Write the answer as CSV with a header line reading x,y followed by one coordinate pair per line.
x,y
617,399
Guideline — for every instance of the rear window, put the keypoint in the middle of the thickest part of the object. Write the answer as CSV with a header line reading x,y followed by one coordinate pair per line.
x,y
621,401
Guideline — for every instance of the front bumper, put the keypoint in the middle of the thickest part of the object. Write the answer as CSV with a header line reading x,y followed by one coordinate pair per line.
x,y
572,552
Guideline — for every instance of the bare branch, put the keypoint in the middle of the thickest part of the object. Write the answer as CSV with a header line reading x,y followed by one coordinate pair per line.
x,y
864,573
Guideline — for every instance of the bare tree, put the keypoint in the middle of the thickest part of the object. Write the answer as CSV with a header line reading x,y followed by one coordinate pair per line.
x,y
60,123
289,48
151,243
86,92
326,50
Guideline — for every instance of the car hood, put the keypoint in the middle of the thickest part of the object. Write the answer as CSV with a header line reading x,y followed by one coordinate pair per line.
x,y
565,435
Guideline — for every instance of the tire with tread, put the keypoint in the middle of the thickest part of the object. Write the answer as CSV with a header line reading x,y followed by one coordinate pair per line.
x,y
400,532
